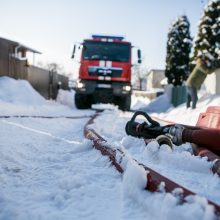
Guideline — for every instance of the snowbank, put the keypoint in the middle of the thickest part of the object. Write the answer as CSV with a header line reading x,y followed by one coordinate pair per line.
x,y
19,92
190,116
159,104
161,107
17,97
139,102
66,97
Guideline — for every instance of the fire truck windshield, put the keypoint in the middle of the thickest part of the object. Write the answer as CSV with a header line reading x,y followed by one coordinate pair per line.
x,y
93,50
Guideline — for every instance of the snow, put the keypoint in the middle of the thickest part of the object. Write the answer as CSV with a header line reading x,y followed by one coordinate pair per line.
x,y
66,98
15,91
17,97
48,170
159,104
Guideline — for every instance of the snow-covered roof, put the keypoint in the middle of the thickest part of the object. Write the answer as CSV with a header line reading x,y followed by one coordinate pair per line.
x,y
21,46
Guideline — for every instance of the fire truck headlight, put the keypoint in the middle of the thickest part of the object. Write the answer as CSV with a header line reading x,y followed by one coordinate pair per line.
x,y
80,85
127,88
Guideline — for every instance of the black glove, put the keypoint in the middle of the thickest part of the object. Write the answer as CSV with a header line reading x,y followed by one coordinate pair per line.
x,y
216,63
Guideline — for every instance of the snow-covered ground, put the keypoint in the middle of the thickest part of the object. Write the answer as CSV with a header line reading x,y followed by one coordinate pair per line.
x,y
49,171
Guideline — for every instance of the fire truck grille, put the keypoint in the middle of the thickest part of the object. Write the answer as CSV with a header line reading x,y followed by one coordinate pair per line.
x,y
100,71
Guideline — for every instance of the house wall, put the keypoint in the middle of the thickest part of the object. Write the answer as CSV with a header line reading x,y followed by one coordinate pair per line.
x,y
150,81
212,82
9,65
154,78
4,57
18,68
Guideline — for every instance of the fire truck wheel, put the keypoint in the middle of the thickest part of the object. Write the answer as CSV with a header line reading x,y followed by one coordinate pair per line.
x,y
125,103
82,101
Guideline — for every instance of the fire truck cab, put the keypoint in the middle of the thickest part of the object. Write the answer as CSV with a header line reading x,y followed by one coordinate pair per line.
x,y
105,72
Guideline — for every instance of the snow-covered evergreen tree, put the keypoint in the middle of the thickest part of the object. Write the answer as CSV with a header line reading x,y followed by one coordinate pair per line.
x,y
178,51
207,42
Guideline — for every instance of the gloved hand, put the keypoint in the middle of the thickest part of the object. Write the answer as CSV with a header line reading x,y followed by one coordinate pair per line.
x,y
216,63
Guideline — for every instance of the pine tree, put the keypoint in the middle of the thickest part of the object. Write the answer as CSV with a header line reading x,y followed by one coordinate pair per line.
x,y
178,50
207,42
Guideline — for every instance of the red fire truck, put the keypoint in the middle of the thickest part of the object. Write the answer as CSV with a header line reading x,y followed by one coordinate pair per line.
x,y
105,72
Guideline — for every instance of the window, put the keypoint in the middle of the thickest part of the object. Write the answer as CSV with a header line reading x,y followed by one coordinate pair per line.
x,y
112,51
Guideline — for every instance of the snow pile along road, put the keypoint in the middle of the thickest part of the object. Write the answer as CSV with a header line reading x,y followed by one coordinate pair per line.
x,y
17,97
49,171
19,92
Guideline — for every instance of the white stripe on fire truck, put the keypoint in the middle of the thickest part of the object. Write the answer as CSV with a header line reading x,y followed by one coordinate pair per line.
x,y
108,63
101,77
102,63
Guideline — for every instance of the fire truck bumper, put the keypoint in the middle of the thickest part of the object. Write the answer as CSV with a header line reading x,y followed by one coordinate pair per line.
x,y
112,88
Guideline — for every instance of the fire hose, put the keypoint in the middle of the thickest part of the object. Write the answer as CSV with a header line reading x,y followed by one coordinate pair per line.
x,y
151,129
116,155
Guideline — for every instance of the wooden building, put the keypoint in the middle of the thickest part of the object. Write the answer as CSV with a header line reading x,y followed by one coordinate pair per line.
x,y
154,78
13,60
14,63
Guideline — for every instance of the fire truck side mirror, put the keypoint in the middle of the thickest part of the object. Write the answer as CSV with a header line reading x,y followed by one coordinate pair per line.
x,y
139,55
74,50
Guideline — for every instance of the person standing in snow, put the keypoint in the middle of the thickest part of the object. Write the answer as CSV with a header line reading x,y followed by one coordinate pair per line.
x,y
203,67
195,80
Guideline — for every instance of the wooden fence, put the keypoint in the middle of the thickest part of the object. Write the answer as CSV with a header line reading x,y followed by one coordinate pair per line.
x,y
45,82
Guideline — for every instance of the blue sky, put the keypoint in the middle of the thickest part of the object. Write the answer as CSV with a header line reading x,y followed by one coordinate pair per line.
x,y
52,26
